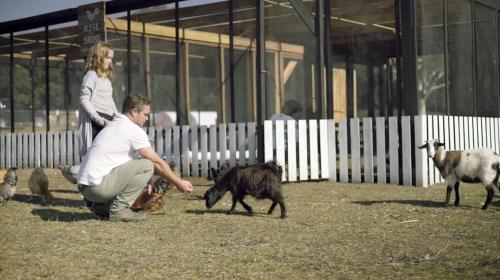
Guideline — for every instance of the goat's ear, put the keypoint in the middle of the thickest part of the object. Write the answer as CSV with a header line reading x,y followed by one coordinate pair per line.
x,y
439,144
423,146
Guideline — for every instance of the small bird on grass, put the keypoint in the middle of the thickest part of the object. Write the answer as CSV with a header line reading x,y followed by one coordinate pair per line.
x,y
39,183
152,199
8,186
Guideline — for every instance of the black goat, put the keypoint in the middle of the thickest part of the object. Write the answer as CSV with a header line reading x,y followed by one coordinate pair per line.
x,y
260,181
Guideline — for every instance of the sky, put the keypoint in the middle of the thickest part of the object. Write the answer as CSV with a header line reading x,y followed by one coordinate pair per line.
x,y
17,9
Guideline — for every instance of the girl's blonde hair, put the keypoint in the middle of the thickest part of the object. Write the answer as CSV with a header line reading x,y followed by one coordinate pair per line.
x,y
95,59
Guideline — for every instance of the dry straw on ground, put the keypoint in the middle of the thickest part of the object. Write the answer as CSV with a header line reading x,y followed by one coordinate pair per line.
x,y
333,231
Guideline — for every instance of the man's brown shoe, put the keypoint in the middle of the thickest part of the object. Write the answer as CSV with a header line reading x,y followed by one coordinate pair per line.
x,y
127,215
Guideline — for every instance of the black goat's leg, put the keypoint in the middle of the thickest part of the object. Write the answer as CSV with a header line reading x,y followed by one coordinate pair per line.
x,y
457,195
233,207
272,207
246,206
489,197
281,201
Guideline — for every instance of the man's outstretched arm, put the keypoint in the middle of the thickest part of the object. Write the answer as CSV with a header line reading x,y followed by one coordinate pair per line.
x,y
164,170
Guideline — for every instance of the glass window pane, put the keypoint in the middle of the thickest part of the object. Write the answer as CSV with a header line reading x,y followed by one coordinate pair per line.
x,y
64,85
5,108
204,84
153,60
29,81
364,50
116,34
205,28
290,59
486,61
430,57
243,77
460,58
244,61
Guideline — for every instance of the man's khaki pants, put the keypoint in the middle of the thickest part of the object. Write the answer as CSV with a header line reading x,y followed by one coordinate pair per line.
x,y
122,186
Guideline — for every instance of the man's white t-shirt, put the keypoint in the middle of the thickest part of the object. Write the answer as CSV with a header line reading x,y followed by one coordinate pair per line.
x,y
115,145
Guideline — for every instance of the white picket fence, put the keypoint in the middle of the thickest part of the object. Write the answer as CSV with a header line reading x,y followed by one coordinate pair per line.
x,y
379,150
179,144
370,150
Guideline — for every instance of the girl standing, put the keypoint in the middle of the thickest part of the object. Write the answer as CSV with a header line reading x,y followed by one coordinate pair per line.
x,y
96,94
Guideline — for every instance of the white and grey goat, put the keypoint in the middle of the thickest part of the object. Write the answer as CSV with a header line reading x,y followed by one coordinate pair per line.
x,y
469,166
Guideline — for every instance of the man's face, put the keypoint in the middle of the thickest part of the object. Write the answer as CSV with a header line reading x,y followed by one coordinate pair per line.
x,y
140,117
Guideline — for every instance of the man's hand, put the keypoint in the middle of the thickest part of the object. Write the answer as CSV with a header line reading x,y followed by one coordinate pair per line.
x,y
185,186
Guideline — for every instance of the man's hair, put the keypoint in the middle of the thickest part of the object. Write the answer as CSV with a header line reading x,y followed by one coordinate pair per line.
x,y
95,59
134,101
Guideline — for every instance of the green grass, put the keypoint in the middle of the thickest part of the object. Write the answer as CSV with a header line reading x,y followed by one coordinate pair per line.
x,y
351,231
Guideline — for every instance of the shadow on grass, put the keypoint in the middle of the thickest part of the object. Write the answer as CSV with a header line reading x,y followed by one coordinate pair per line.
x,y
424,203
56,215
65,191
495,203
219,211
196,197
36,199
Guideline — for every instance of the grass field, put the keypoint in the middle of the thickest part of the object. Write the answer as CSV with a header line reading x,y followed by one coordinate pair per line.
x,y
333,231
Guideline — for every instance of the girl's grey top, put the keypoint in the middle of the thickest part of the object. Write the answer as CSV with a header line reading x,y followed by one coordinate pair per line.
x,y
96,95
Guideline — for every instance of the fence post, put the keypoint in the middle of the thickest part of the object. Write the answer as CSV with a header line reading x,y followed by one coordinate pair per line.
x,y
204,150
368,150
268,140
393,150
213,146
355,151
421,167
184,141
303,167
313,150
252,143
232,144
292,150
242,158
323,143
343,152
2,150
195,166
280,146
332,151
406,150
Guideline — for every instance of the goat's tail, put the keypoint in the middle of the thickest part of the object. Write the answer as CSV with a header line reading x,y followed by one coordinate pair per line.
x,y
274,167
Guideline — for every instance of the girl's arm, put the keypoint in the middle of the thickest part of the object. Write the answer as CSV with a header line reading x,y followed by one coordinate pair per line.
x,y
88,86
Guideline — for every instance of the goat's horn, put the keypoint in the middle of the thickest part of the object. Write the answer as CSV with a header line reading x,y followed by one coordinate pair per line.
x,y
423,146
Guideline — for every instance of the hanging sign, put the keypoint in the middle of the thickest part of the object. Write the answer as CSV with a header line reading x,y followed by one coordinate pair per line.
x,y
91,21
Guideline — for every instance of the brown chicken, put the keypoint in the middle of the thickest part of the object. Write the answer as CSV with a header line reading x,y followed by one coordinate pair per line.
x,y
39,183
152,199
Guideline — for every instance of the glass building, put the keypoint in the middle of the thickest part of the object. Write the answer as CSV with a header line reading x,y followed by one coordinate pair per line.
x,y
216,61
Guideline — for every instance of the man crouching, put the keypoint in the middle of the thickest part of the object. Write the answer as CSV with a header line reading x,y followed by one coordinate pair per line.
x,y
111,177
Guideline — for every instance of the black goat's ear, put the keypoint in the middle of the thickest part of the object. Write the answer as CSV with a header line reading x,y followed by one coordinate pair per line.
x,y
423,146
439,144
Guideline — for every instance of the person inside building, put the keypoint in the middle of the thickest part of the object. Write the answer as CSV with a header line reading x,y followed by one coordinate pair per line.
x,y
112,175
291,111
97,106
